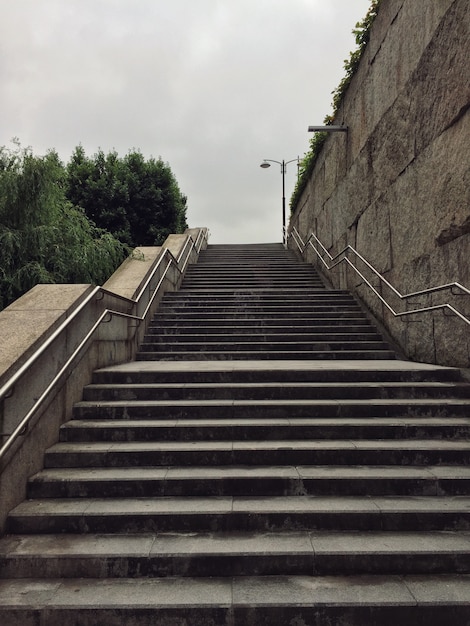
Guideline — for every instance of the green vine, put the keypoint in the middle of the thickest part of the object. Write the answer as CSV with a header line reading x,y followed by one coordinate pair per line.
x,y
362,36
307,164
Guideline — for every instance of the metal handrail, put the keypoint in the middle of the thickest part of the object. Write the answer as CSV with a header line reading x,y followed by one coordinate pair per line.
x,y
8,387
22,427
341,257
194,244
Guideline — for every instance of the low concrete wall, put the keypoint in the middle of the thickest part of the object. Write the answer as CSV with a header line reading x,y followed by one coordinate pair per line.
x,y
33,320
397,186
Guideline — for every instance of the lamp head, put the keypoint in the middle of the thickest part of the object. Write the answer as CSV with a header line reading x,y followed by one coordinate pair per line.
x,y
264,164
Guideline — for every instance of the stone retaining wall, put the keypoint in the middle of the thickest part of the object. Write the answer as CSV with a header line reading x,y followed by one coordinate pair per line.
x,y
396,186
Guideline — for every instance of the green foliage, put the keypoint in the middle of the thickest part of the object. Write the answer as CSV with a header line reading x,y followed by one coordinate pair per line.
x,y
96,185
43,237
136,200
306,166
75,224
362,35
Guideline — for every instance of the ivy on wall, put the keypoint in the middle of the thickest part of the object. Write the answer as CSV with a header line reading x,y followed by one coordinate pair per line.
x,y
362,36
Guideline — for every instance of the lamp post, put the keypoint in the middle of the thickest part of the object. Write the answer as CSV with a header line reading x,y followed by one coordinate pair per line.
x,y
267,163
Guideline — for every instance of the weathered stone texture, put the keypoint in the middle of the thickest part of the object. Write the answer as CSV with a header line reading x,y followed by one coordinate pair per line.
x,y
397,186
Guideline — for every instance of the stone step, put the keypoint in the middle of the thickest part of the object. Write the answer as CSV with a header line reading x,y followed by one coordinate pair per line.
x,y
255,282
254,275
268,337
259,355
256,308
273,390
437,600
326,480
238,325
257,271
276,372
273,317
261,262
279,354
242,327
242,287
320,294
243,429
259,409
337,316
238,513
245,283
253,278
249,283
255,305
236,554
255,266
252,453
229,266
343,323
262,346
254,270
258,257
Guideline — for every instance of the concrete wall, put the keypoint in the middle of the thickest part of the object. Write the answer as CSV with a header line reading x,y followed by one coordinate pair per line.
x,y
396,186
33,320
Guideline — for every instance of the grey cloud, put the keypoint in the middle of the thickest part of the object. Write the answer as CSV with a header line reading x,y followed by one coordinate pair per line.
x,y
211,86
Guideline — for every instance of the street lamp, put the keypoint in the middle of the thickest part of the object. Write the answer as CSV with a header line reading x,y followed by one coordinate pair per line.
x,y
267,163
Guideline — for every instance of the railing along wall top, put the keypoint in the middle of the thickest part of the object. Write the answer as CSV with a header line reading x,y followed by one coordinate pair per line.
x,y
333,261
179,263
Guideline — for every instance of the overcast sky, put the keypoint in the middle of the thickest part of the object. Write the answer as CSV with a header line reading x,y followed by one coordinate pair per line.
x,y
213,87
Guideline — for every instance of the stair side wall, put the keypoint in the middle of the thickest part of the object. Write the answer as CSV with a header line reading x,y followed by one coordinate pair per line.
x,y
396,186
30,321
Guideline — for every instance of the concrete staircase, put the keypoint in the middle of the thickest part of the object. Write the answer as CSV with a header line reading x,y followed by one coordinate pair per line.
x,y
266,460
259,303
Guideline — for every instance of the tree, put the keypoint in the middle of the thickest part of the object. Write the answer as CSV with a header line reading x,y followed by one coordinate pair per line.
x,y
44,238
137,200
98,186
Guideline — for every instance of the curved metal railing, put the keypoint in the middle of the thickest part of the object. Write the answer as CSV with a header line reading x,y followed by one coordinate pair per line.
x,y
6,391
341,257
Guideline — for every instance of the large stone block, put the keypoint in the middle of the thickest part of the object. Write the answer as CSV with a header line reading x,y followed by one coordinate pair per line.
x,y
374,225
440,84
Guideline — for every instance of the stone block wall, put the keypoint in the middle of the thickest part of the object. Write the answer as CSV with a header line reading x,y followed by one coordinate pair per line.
x,y
396,186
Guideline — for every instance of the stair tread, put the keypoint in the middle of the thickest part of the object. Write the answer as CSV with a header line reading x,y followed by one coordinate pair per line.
x,y
266,354
447,386
284,341
397,402
251,505
268,421
317,472
291,444
270,336
266,591
234,543
338,367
